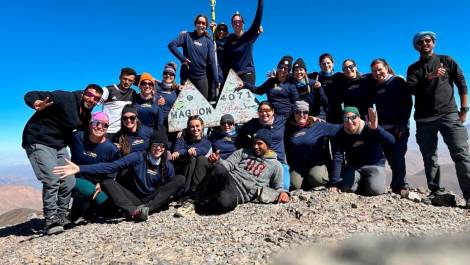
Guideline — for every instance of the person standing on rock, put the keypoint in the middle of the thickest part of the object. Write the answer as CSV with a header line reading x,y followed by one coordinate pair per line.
x,y
431,80
198,58
45,138
239,45
393,101
240,178
359,144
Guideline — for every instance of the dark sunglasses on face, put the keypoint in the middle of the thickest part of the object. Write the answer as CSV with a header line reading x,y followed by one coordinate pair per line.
x,y
167,73
349,118
146,83
95,124
421,42
349,67
226,123
91,95
129,118
300,112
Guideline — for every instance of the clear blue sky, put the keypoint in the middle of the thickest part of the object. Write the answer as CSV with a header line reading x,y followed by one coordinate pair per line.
x,y
48,45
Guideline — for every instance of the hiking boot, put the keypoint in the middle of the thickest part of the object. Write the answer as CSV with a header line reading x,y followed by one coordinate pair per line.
x,y
188,208
441,198
53,225
64,220
141,213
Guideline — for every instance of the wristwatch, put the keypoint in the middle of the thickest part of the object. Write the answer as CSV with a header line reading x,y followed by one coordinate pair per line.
x,y
464,109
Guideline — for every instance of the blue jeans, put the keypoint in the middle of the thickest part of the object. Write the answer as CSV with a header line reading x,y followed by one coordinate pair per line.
x,y
455,136
56,192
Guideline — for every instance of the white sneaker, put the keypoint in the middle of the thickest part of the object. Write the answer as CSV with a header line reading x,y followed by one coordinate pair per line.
x,y
186,209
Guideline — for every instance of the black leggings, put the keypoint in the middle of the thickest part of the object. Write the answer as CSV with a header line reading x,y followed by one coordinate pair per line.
x,y
128,201
217,193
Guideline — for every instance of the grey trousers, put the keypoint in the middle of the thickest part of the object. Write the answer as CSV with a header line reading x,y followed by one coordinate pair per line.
x,y
316,176
56,192
370,178
455,136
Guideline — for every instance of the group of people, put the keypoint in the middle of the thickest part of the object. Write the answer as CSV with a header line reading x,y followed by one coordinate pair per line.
x,y
315,129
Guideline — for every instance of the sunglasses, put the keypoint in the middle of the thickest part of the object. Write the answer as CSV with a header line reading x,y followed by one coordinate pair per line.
x,y
170,74
129,118
300,112
146,83
95,124
421,42
264,110
349,118
230,123
91,95
349,67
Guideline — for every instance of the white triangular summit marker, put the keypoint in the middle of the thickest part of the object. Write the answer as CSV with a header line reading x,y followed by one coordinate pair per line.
x,y
191,102
240,103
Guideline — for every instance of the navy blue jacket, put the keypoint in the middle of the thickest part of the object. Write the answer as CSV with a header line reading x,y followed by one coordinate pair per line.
x,y
198,49
281,95
184,142
54,125
393,103
139,141
246,131
316,98
358,92
334,94
146,177
170,97
85,152
360,150
305,147
150,114
239,51
223,142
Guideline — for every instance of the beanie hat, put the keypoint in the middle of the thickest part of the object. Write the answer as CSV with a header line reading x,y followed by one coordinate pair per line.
x,y
351,109
300,63
170,68
227,118
418,36
159,136
264,135
146,76
301,106
286,61
129,108
100,116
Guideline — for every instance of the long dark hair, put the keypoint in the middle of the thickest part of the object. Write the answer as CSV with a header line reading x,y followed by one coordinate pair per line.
x,y
123,139
162,168
207,23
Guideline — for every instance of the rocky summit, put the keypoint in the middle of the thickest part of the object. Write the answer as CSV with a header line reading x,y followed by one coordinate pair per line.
x,y
292,233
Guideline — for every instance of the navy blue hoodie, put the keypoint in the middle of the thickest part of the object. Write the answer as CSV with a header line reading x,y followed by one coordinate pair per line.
x,y
393,103
239,51
85,152
145,177
281,95
359,149
223,142
150,114
198,49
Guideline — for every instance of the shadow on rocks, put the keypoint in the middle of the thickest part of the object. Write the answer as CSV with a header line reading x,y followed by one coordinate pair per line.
x,y
30,228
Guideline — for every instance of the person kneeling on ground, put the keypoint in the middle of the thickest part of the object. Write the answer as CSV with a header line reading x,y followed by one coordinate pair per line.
x,y
359,144
240,178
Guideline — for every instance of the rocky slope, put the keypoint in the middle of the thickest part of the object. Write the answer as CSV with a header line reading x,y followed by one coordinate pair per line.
x,y
252,234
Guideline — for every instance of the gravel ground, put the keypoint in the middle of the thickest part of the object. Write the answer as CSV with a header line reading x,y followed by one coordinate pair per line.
x,y
251,234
